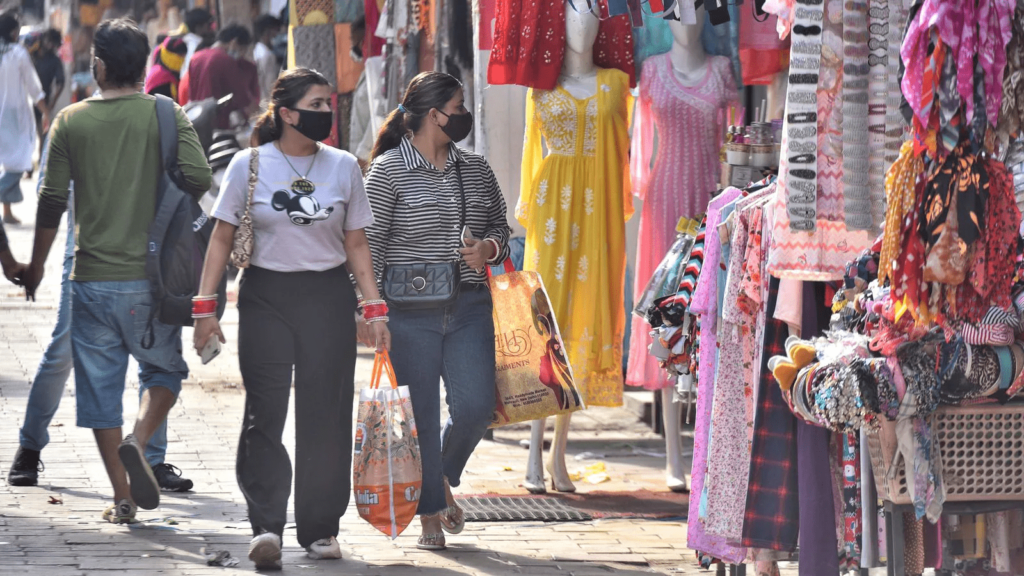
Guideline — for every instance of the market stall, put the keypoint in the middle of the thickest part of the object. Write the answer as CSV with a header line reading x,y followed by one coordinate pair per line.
x,y
854,324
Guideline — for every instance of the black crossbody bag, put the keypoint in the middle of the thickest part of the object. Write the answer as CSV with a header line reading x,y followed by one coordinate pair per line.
x,y
426,285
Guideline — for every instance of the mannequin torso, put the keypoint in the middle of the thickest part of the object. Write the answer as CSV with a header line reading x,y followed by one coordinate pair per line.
x,y
689,61
579,73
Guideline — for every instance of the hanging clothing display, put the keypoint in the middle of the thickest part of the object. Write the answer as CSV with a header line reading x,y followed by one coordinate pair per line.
x,y
762,53
705,304
574,203
678,180
529,43
811,240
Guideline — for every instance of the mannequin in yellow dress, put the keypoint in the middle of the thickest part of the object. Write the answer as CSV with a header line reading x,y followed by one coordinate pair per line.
x,y
574,203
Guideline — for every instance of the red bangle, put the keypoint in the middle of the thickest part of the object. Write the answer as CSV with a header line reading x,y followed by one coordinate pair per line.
x,y
375,311
204,308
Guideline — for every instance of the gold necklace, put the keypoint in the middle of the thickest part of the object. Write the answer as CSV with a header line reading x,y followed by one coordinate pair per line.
x,y
303,185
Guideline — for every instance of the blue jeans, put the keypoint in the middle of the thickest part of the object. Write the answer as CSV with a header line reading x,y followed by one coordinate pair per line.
x,y
455,343
10,187
51,376
109,320
55,367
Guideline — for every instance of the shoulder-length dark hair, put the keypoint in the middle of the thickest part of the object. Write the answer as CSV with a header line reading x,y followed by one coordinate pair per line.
x,y
426,91
289,89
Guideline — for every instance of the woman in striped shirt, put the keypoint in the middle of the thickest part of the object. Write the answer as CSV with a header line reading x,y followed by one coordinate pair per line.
x,y
416,184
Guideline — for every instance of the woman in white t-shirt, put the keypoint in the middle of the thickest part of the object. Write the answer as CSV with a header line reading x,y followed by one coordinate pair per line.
x,y
297,311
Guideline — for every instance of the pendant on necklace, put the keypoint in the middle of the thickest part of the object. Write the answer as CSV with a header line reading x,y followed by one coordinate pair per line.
x,y
303,186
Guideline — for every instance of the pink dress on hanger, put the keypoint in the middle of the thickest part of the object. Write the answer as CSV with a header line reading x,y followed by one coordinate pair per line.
x,y
689,122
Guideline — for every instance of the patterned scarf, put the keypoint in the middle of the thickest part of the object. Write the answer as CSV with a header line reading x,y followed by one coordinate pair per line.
x,y
802,116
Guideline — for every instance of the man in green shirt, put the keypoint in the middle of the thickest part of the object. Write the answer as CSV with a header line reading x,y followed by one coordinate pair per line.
x,y
109,146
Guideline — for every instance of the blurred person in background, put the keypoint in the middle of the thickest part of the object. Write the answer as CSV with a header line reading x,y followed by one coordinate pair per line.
x,y
50,70
19,85
197,30
165,73
226,69
268,68
360,126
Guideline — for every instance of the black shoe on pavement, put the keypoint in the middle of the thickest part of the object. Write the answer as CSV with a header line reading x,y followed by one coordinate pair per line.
x,y
26,468
169,478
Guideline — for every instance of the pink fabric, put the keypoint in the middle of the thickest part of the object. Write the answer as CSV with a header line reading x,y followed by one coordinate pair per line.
x,y
705,295
914,53
705,303
688,122
789,306
733,411
996,30
158,76
955,23
820,255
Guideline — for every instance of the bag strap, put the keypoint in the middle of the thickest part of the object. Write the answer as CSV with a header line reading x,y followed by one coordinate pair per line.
x,y
382,362
507,264
254,176
167,126
462,195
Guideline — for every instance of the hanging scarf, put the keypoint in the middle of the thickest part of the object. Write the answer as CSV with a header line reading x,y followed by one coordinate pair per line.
x,y
856,197
991,275
801,122
900,197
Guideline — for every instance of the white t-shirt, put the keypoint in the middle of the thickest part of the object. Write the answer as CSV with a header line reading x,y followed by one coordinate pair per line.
x,y
297,230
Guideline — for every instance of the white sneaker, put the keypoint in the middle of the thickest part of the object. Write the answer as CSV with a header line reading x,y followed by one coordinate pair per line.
x,y
265,551
325,549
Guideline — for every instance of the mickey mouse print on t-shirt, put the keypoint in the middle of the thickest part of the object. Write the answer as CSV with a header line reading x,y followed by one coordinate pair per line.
x,y
302,208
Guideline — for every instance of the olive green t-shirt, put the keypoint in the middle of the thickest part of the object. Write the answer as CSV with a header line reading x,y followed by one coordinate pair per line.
x,y
111,150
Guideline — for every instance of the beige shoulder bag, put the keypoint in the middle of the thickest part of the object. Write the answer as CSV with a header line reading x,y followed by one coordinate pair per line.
x,y
241,251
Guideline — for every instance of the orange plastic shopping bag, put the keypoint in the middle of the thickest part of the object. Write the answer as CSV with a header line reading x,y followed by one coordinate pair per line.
x,y
533,378
387,472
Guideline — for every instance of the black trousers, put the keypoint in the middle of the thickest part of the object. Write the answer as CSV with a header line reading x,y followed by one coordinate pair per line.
x,y
305,321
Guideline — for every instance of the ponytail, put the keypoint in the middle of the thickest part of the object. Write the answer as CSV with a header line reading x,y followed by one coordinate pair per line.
x,y
289,89
267,127
391,134
428,90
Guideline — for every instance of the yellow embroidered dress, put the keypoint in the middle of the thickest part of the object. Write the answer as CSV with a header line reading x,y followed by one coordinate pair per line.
x,y
574,204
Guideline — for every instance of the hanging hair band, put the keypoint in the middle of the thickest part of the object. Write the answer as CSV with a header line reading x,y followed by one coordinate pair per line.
x,y
403,109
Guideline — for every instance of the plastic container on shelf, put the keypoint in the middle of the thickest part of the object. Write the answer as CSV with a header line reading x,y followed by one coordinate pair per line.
x,y
737,151
982,450
762,155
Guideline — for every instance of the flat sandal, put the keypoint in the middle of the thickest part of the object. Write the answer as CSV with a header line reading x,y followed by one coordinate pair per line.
x,y
453,518
433,542
453,526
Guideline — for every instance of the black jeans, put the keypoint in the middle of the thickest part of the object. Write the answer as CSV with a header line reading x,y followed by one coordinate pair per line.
x,y
303,320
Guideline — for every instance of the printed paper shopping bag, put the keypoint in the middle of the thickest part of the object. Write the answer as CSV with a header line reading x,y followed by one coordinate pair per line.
x,y
533,378
387,471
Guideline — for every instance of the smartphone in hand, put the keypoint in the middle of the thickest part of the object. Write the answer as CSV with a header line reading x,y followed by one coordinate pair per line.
x,y
211,350
467,235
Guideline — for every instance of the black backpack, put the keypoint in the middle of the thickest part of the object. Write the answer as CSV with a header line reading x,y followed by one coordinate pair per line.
x,y
178,237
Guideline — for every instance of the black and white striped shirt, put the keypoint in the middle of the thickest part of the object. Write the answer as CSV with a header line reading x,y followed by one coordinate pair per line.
x,y
416,208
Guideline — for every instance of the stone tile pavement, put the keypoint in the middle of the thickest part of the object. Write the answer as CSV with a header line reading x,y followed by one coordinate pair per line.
x,y
66,538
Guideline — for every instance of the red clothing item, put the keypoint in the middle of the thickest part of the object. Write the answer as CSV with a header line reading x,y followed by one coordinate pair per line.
x,y
213,73
529,43
372,45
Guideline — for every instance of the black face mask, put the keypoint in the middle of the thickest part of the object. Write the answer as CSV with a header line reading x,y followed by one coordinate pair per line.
x,y
315,125
459,126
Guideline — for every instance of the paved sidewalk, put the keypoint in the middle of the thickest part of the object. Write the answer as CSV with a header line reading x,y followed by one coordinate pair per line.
x,y
40,537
